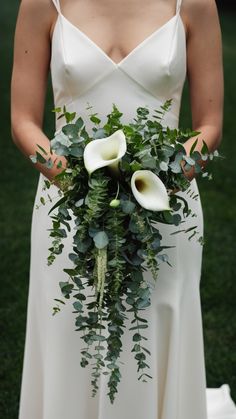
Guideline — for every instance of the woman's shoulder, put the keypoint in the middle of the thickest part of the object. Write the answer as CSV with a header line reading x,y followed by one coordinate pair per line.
x,y
198,6
38,6
42,12
199,12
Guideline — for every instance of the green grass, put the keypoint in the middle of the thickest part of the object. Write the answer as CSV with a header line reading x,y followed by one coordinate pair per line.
x,y
18,186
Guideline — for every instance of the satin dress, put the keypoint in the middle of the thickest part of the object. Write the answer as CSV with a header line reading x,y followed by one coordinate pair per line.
x,y
54,385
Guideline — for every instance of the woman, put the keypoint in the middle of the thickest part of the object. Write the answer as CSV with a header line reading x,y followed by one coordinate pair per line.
x,y
131,53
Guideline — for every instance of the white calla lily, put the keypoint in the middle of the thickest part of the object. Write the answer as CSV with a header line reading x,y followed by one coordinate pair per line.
x,y
105,152
149,191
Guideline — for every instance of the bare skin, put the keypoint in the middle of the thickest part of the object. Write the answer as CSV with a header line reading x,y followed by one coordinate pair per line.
x,y
117,27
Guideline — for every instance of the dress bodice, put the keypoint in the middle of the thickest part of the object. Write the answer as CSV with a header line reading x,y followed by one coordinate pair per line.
x,y
83,74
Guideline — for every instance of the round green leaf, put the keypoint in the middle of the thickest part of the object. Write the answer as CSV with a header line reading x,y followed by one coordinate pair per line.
x,y
101,240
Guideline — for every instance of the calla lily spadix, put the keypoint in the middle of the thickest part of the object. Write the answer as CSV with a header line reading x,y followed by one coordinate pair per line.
x,y
149,191
105,152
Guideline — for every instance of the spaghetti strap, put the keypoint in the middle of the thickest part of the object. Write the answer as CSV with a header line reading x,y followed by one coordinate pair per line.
x,y
178,5
57,5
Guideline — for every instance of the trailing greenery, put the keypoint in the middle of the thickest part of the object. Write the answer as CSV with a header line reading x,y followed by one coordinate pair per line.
x,y
116,236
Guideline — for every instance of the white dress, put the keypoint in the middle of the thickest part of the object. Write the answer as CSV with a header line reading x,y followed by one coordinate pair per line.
x,y
54,385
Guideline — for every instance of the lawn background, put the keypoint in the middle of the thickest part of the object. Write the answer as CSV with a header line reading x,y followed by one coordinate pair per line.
x,y
18,187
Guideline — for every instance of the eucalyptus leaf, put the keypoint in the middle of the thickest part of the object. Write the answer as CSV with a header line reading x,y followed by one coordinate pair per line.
x,y
175,167
77,305
101,239
148,162
79,123
33,158
40,158
164,166
76,150
127,206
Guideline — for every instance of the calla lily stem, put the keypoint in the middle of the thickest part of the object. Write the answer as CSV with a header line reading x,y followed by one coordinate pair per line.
x,y
118,190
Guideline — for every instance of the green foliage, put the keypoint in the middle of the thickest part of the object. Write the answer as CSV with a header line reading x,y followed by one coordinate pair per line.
x,y
115,238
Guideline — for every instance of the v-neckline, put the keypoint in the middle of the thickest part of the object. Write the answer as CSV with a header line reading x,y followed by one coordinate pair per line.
x,y
133,51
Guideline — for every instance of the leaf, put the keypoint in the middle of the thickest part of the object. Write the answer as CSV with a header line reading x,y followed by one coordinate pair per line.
x,y
47,183
193,146
84,134
61,150
73,257
134,165
136,348
78,282
189,160
95,119
164,166
167,151
100,338
42,149
60,139
137,276
70,116
101,239
99,133
70,272
83,362
141,319
79,203
59,301
77,305
49,164
140,326
177,219
76,150
156,243
140,356
163,258
63,199
168,217
82,246
59,164
80,297
66,288
133,227
127,206
33,158
56,110
143,304
40,158
205,149
148,161
137,337
98,356
175,167
87,354
70,130
79,123
144,375
146,350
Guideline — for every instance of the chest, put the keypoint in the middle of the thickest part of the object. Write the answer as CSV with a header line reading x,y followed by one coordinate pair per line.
x,y
156,65
118,27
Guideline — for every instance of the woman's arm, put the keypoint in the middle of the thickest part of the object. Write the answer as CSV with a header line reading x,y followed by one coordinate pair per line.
x,y
29,79
205,71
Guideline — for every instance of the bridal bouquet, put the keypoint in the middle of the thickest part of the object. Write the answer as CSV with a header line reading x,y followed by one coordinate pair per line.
x,y
117,188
